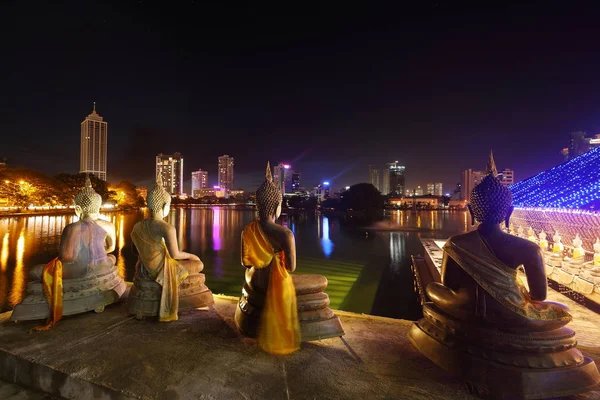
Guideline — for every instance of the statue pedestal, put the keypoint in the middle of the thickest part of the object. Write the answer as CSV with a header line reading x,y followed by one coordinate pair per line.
x,y
317,320
144,297
91,292
537,365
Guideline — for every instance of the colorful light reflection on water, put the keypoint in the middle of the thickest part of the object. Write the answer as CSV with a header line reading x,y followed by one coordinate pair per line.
x,y
355,264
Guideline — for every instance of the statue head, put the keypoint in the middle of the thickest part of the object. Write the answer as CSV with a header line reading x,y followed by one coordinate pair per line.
x,y
87,201
577,242
491,201
158,199
268,197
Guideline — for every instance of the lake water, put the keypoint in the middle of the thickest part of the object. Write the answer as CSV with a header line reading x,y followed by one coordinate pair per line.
x,y
368,271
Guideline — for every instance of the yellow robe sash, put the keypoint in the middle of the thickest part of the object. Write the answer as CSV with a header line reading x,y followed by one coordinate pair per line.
x,y
53,290
161,267
279,331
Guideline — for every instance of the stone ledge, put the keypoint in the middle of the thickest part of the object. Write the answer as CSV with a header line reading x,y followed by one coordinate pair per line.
x,y
113,356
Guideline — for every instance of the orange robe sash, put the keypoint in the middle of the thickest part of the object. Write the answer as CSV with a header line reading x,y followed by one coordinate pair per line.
x,y
53,290
279,331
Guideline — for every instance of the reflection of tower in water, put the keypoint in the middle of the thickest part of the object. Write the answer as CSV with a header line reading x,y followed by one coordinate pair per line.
x,y
326,243
16,293
3,265
120,245
397,249
217,245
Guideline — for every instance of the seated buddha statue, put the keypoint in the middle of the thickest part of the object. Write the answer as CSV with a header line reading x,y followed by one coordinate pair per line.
x,y
574,264
167,280
279,308
483,322
89,276
543,242
556,256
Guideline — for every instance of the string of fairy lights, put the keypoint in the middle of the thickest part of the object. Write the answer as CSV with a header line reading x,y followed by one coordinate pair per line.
x,y
574,184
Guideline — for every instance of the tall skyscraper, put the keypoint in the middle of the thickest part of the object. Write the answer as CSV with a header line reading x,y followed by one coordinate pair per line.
x,y
385,182
226,172
374,177
469,179
170,167
282,177
296,180
199,180
395,177
507,176
93,145
435,189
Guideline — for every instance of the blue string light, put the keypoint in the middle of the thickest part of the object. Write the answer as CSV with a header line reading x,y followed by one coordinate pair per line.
x,y
574,184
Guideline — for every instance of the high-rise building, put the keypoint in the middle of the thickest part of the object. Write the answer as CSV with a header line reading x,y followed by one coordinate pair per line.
x,y
469,180
93,145
170,167
419,191
395,177
507,176
435,189
199,180
226,172
385,182
296,180
374,177
282,177
580,143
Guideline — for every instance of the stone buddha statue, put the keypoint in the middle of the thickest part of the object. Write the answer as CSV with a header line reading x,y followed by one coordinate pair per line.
x,y
575,263
90,278
531,235
483,322
280,308
543,242
556,256
167,280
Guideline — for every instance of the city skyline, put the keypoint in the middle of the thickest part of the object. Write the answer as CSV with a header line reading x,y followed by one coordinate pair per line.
x,y
433,86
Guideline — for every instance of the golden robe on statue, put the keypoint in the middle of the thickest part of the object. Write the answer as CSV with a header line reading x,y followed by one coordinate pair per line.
x,y
498,280
279,331
155,263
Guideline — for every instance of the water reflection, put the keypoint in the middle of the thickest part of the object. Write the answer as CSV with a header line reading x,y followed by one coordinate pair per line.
x,y
397,251
120,244
326,243
16,294
355,264
4,253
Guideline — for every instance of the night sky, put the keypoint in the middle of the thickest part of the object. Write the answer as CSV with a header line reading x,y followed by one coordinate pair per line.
x,y
329,89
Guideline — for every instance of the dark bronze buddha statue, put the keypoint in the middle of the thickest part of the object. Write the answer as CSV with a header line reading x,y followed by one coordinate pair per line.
x,y
485,325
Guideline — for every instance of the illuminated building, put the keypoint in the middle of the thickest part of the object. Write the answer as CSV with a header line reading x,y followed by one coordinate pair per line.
x,y
419,191
435,189
282,177
236,192
394,178
93,145
296,180
321,191
580,143
199,180
469,180
374,177
385,182
170,167
209,192
507,176
225,178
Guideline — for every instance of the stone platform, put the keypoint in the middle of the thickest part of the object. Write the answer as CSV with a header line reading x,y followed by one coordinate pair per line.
x,y
202,356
